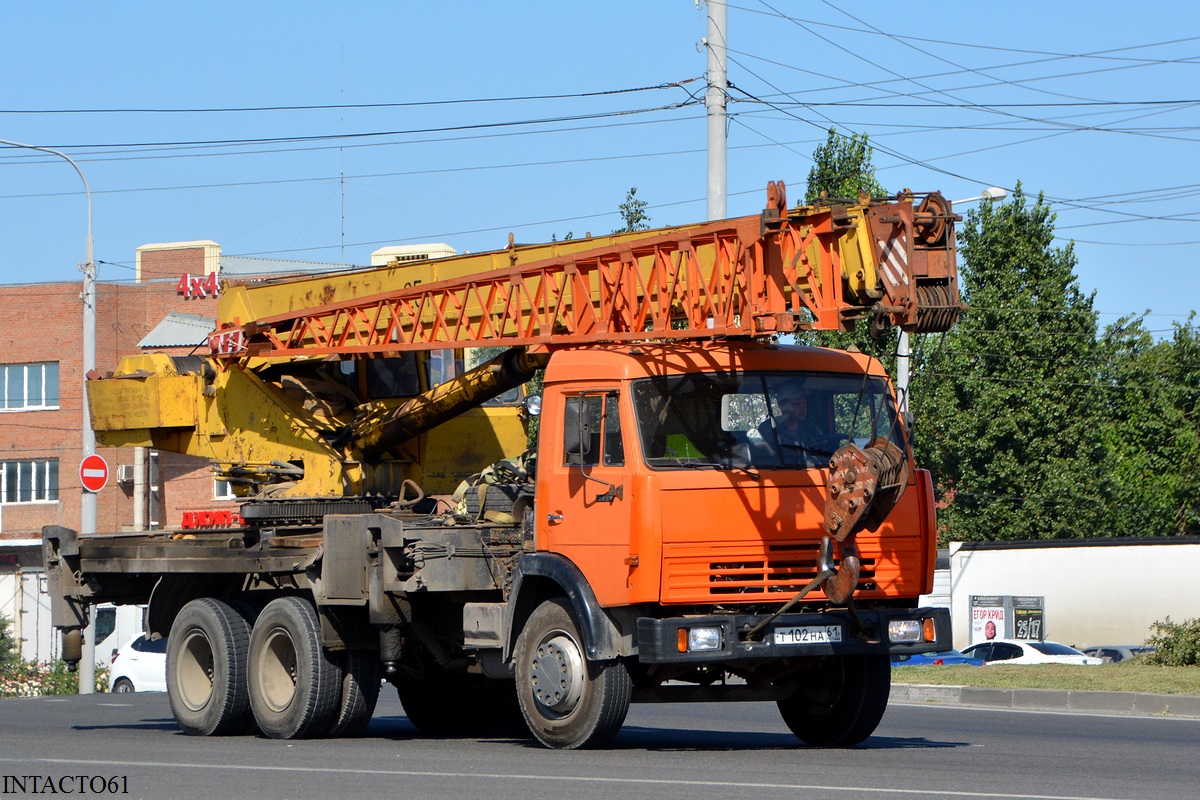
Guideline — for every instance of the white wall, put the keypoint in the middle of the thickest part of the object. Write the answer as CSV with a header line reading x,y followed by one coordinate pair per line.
x,y
1095,593
24,601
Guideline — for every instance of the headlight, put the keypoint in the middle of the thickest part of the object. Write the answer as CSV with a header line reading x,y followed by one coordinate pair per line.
x,y
693,640
904,630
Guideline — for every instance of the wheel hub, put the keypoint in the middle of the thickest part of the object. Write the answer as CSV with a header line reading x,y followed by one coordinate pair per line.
x,y
194,672
558,674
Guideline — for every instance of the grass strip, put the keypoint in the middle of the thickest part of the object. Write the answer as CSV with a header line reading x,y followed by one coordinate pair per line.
x,y
1122,677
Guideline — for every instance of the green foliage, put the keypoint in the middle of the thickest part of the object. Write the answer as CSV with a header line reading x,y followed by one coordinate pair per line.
x,y
10,651
842,169
633,213
1152,432
1178,643
1010,414
31,679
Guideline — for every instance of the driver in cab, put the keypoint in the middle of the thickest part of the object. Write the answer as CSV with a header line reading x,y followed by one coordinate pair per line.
x,y
791,427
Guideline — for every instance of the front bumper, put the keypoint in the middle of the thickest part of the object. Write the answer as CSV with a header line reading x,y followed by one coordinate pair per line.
x,y
658,640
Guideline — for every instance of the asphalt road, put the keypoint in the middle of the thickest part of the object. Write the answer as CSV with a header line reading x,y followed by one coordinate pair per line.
x,y
665,751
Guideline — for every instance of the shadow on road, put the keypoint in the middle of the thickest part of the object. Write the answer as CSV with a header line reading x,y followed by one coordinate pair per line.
x,y
633,737
167,724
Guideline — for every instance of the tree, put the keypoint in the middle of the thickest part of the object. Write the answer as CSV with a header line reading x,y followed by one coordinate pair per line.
x,y
10,652
842,169
633,213
1152,433
1010,411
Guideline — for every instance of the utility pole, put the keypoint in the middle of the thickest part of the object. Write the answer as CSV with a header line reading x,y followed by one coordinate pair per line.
x,y
87,503
714,101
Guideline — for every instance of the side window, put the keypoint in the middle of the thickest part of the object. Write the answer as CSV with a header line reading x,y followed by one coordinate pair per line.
x,y
1003,652
592,428
982,651
392,377
106,623
614,448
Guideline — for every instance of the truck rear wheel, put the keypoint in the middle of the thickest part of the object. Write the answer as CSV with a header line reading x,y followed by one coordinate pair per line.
x,y
207,657
360,693
840,701
567,701
295,684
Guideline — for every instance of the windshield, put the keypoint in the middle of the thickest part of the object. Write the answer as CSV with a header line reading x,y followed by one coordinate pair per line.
x,y
759,420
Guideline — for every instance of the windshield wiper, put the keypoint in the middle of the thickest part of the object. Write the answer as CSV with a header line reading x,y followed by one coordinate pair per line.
x,y
722,466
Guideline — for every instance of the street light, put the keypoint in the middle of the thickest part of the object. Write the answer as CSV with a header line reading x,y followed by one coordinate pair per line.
x,y
87,503
992,193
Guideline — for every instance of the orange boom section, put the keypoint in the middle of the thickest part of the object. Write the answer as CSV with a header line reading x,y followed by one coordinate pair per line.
x,y
781,271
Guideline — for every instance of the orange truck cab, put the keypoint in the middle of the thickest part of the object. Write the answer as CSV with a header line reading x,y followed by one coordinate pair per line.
x,y
682,525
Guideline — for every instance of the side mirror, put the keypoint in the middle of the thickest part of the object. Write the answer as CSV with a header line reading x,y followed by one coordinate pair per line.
x,y
577,434
906,417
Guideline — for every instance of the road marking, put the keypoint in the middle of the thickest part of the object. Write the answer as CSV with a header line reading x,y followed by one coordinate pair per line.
x,y
514,777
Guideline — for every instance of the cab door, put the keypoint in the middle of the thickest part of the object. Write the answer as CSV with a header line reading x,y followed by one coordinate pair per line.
x,y
583,489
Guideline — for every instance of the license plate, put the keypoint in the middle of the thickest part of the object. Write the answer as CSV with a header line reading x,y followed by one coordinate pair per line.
x,y
808,634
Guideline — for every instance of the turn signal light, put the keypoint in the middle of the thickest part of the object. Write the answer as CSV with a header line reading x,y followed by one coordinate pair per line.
x,y
929,630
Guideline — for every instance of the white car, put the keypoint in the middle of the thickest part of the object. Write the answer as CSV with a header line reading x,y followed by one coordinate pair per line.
x,y
139,665
1016,651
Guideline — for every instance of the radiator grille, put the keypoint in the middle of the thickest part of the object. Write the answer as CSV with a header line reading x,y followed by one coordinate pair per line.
x,y
781,569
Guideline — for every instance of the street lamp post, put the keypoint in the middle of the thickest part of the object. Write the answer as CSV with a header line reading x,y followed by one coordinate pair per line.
x,y
87,505
992,193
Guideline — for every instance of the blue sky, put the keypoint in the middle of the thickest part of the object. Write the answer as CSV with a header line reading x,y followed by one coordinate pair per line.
x,y
1095,104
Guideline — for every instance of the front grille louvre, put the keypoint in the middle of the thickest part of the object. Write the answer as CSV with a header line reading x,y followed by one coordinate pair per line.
x,y
782,570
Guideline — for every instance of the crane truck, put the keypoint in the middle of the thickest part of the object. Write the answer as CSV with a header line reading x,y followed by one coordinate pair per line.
x,y
662,541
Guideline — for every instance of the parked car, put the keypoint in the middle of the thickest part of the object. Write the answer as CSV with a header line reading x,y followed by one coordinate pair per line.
x,y
1112,653
139,665
1017,651
944,658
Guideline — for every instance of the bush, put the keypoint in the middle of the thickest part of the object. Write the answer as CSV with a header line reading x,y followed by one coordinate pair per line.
x,y
1178,644
30,679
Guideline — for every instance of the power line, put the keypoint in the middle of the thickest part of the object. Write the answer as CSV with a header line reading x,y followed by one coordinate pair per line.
x,y
350,106
376,134
1099,54
161,153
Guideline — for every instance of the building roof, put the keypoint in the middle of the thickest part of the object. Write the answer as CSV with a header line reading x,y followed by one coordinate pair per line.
x,y
179,330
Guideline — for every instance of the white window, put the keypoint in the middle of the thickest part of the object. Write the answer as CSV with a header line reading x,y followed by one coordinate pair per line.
x,y
222,490
29,481
29,387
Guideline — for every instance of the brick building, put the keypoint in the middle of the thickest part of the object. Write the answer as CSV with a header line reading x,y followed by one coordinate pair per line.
x,y
170,307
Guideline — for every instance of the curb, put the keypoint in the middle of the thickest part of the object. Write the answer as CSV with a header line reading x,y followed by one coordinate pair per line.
x,y
1082,702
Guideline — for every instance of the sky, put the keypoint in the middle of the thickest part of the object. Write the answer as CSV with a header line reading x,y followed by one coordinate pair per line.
x,y
322,131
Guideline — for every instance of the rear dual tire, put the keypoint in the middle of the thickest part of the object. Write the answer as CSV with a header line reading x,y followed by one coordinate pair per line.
x,y
295,684
206,669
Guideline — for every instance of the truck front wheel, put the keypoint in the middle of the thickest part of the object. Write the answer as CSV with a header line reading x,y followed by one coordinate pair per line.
x,y
206,669
839,701
295,685
567,702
